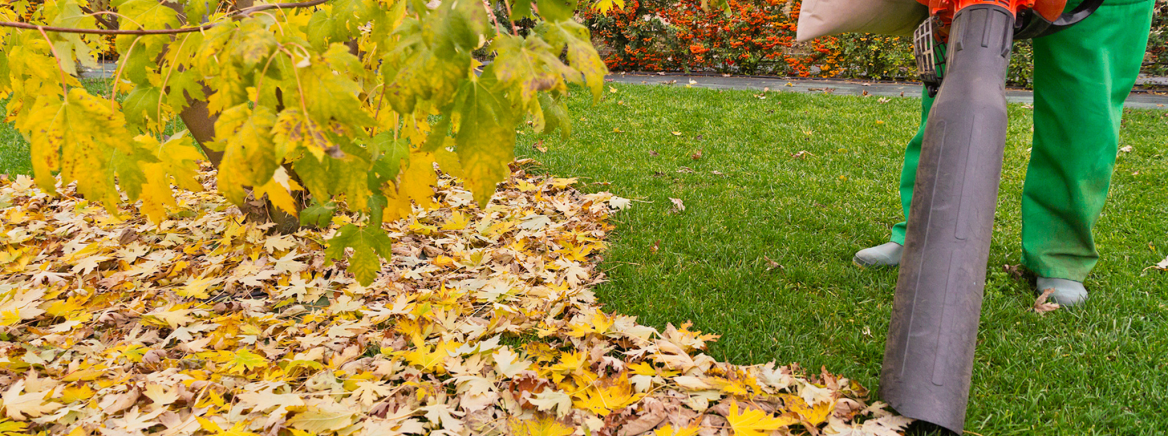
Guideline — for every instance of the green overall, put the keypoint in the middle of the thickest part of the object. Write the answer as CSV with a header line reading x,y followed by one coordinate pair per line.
x,y
1082,76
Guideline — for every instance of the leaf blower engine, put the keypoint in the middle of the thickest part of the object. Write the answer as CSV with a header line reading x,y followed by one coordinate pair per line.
x,y
963,51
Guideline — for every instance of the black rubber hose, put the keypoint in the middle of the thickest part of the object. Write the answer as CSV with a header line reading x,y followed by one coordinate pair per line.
x,y
928,359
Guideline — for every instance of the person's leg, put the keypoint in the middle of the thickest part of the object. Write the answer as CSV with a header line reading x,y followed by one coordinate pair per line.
x,y
1082,76
888,254
908,173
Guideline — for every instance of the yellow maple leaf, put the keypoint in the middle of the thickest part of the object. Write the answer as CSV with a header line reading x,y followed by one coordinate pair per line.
x,y
174,158
569,364
415,182
197,287
603,397
431,360
277,189
599,324
754,422
813,415
545,426
78,136
668,430
323,418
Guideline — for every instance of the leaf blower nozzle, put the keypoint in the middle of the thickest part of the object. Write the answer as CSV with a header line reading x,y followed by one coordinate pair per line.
x,y
928,357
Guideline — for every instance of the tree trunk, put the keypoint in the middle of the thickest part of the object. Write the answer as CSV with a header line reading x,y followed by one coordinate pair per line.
x,y
201,124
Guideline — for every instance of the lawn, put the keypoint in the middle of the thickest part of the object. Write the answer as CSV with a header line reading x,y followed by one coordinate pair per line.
x,y
779,192
807,180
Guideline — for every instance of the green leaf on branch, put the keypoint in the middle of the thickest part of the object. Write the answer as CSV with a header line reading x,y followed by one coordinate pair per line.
x,y
318,215
368,242
141,106
574,37
485,141
556,10
527,67
387,154
552,115
243,134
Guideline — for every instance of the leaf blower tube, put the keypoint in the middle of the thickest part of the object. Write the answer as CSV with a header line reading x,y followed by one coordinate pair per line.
x,y
928,359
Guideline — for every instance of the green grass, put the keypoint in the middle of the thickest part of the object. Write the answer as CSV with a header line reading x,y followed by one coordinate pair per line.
x,y
1094,370
1099,369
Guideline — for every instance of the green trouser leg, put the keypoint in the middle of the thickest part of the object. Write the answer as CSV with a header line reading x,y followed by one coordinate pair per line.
x,y
908,175
1082,76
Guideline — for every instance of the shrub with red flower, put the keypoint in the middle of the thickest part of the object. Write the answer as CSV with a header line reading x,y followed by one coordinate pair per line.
x,y
755,37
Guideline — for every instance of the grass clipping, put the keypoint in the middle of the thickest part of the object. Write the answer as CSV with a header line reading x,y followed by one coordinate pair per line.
x,y
482,323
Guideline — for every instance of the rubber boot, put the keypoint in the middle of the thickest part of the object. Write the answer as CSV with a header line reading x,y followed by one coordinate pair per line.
x,y
1066,292
883,255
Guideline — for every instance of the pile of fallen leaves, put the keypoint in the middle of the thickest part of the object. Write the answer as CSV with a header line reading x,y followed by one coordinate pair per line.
x,y
483,323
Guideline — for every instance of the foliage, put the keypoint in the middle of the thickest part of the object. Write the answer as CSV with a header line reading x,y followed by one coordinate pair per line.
x,y
878,57
752,37
1156,63
671,35
295,108
483,323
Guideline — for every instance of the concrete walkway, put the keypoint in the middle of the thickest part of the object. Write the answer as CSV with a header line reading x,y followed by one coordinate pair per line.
x,y
1138,100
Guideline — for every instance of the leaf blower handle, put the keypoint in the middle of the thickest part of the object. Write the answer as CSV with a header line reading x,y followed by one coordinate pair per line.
x,y
928,359
1032,24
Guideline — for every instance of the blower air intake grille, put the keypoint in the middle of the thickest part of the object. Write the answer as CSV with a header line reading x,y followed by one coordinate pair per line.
x,y
930,54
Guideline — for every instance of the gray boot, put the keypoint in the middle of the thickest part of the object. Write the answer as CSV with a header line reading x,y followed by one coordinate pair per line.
x,y
1066,292
883,255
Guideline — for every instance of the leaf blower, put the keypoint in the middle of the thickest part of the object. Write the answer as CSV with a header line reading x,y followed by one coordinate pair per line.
x,y
963,51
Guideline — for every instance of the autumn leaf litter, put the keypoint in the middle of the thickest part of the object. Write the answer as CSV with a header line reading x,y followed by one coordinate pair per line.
x,y
484,322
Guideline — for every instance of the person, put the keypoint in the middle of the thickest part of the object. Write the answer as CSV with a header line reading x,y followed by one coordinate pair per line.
x,y
1082,75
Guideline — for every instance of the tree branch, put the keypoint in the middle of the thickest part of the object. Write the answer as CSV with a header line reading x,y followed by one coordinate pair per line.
x,y
241,13
101,20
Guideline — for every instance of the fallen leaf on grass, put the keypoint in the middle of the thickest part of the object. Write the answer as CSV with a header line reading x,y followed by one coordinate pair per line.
x,y
654,153
1015,271
1040,304
1126,149
770,263
697,156
539,146
754,422
678,206
802,154
883,100
685,170
676,133
1163,265
656,246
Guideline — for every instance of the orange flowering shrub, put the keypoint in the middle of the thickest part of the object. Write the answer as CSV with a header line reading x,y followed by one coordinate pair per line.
x,y
756,37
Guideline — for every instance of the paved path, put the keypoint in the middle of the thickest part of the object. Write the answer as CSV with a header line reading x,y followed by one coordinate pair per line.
x,y
1140,99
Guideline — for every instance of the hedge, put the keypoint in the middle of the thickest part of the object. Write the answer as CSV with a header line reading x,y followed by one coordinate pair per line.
x,y
758,37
